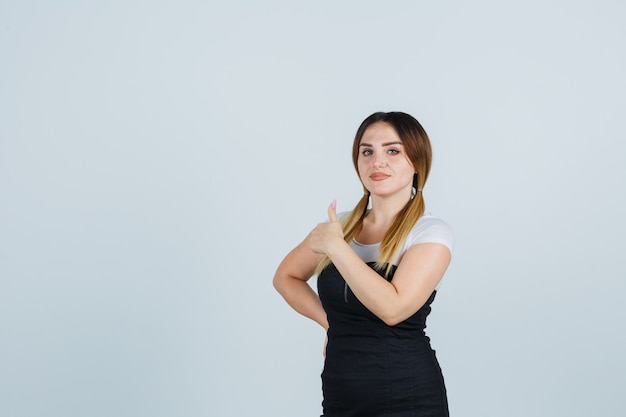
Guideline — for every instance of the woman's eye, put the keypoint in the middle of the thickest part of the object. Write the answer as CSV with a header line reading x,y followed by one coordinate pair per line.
x,y
393,151
367,152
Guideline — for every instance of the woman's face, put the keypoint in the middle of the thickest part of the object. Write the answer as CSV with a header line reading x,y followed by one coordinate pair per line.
x,y
384,167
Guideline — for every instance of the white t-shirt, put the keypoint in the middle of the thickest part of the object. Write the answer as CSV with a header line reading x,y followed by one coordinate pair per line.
x,y
428,229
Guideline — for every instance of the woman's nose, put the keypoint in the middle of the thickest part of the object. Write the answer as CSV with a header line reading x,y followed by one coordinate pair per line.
x,y
380,161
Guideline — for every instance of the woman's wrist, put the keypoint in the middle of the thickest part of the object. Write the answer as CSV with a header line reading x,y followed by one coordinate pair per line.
x,y
335,248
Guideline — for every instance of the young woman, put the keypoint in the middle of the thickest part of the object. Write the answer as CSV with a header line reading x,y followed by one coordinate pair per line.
x,y
378,267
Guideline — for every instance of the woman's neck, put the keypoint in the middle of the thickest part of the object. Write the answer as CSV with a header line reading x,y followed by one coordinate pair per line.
x,y
385,209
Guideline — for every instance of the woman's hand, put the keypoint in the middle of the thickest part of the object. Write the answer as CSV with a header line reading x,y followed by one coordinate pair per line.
x,y
325,235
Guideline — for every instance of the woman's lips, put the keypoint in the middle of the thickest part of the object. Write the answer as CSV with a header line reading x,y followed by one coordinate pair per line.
x,y
379,176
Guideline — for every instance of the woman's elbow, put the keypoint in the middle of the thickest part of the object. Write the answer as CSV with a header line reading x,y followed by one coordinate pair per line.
x,y
392,318
281,282
395,316
277,282
391,321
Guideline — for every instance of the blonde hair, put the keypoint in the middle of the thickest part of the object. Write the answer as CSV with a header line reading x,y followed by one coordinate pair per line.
x,y
417,147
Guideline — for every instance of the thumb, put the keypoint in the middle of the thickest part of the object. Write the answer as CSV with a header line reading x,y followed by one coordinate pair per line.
x,y
332,211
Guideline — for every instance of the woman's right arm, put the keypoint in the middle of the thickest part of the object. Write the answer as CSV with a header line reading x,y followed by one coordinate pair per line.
x,y
290,280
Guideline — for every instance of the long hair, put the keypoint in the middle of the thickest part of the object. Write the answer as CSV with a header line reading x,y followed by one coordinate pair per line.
x,y
418,150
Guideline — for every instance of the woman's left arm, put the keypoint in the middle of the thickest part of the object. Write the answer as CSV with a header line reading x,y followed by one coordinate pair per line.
x,y
421,268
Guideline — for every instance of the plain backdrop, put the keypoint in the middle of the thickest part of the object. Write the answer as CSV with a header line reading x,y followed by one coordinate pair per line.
x,y
159,158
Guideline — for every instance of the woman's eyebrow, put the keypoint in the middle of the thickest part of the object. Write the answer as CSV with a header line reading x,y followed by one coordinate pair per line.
x,y
384,144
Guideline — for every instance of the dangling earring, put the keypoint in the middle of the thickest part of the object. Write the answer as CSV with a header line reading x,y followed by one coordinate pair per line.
x,y
367,196
414,190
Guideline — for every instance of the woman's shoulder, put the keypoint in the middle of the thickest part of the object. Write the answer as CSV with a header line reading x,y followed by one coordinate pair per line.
x,y
431,229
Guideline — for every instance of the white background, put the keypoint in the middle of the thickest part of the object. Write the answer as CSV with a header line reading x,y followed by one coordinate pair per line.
x,y
159,158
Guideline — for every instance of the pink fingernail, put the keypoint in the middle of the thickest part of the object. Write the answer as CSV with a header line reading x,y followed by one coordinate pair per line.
x,y
334,203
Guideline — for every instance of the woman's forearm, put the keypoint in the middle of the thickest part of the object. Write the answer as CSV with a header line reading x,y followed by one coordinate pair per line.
x,y
376,293
301,297
415,279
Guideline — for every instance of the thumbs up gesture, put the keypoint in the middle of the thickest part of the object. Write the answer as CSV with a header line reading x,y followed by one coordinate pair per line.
x,y
325,235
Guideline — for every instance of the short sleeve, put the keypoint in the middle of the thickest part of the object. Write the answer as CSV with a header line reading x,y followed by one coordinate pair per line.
x,y
430,229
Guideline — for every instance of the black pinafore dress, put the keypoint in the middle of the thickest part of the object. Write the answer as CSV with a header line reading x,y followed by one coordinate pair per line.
x,y
372,369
